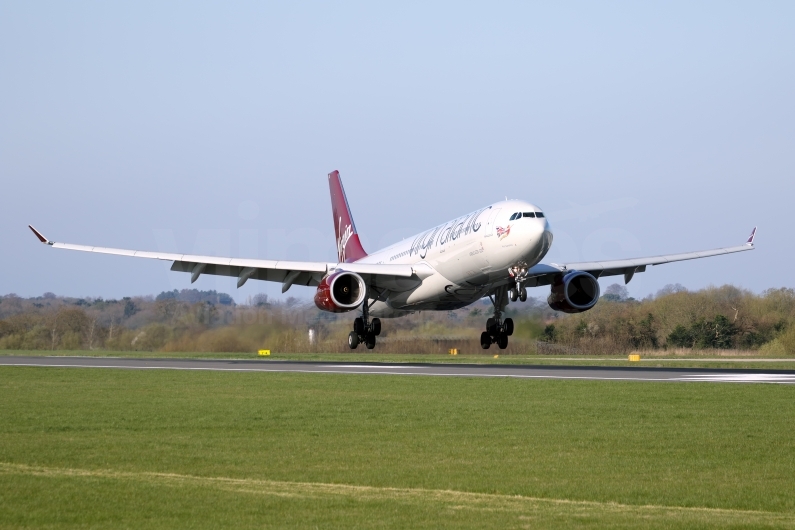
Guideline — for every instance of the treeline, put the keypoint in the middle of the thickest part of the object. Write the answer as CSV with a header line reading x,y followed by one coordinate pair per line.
x,y
724,318
187,320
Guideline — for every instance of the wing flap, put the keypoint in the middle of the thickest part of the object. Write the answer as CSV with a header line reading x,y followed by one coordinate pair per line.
x,y
255,272
403,271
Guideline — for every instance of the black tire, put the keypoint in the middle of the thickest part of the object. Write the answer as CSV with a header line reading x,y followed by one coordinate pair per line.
x,y
502,341
358,326
353,340
369,341
491,326
513,295
376,326
523,294
485,340
507,326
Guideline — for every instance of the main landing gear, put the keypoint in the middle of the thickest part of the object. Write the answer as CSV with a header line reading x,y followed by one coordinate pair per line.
x,y
497,329
364,329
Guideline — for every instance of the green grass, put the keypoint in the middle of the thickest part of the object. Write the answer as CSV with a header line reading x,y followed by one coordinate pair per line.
x,y
114,448
697,360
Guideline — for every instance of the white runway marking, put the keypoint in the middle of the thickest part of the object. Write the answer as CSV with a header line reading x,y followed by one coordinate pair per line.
x,y
379,367
584,373
740,378
334,371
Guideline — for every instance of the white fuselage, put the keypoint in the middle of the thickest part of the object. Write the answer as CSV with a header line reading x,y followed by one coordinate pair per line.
x,y
469,256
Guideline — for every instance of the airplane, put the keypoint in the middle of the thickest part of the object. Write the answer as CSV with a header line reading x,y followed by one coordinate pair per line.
x,y
493,252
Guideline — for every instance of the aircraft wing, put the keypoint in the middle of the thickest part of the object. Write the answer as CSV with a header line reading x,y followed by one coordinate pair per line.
x,y
628,267
288,273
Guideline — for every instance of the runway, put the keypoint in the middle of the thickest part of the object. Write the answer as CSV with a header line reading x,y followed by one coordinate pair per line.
x,y
596,373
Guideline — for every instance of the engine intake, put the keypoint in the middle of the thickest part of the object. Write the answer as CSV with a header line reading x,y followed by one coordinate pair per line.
x,y
574,292
340,292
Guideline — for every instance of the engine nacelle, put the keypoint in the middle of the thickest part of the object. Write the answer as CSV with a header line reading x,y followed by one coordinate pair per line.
x,y
340,292
574,292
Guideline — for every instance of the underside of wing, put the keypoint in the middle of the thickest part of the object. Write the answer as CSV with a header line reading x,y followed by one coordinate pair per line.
x,y
288,273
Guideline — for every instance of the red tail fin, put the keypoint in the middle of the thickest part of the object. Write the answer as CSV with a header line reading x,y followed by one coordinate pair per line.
x,y
349,248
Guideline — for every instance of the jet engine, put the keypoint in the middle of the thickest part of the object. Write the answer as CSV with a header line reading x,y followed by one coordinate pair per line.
x,y
574,292
340,292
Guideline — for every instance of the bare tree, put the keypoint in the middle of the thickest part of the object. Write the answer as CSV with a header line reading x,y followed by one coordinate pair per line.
x,y
91,334
54,332
616,293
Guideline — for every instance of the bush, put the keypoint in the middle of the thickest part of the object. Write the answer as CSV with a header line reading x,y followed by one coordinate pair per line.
x,y
225,340
550,334
644,333
680,337
787,340
152,337
717,333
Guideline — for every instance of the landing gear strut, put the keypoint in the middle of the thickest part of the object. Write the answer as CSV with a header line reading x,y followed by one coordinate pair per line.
x,y
497,329
364,329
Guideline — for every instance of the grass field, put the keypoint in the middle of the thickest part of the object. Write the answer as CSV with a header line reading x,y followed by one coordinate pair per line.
x,y
115,448
692,360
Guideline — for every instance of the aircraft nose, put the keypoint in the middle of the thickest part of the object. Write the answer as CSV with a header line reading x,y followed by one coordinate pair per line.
x,y
537,239
546,239
541,240
535,234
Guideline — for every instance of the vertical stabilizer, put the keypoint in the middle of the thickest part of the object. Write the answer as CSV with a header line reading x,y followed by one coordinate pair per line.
x,y
349,248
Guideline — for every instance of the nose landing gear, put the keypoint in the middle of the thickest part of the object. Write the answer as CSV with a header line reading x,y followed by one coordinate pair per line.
x,y
364,329
519,274
497,329
518,293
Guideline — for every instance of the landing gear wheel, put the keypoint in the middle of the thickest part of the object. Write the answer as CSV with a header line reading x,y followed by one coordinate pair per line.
x,y
485,340
369,341
513,295
523,294
365,329
497,329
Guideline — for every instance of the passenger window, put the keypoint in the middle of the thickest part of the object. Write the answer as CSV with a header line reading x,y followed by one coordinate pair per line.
x,y
528,214
539,214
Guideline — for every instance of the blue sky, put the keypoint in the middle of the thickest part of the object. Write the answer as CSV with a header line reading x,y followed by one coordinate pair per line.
x,y
641,128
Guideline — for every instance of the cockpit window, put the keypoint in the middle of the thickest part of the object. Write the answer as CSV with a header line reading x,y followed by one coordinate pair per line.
x,y
528,214
512,217
539,214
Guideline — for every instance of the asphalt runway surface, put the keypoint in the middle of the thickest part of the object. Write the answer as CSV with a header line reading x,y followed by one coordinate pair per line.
x,y
597,373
